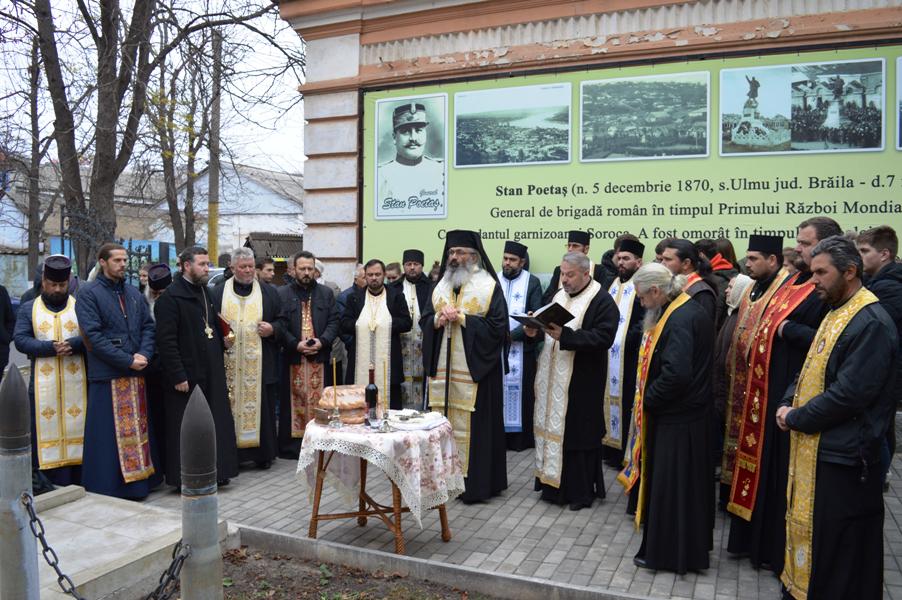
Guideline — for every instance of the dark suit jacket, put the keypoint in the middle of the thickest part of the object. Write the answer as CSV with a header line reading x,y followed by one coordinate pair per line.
x,y
325,320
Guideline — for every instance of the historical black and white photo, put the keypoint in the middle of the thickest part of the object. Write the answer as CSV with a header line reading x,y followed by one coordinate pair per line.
x,y
812,107
660,116
512,126
411,171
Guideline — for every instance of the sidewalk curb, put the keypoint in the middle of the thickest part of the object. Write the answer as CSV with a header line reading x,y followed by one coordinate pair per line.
x,y
510,587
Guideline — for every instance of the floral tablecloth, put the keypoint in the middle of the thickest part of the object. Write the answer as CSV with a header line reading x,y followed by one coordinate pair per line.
x,y
423,464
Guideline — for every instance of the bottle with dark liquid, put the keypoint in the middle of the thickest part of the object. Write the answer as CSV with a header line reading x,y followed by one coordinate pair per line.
x,y
371,394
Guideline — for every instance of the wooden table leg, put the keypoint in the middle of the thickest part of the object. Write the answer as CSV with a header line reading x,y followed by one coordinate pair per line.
x,y
396,506
443,518
361,520
317,493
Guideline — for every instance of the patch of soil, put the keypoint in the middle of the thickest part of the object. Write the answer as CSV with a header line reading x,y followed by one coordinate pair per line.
x,y
249,574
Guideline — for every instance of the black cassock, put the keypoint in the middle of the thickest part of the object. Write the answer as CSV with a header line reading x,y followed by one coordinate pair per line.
x,y
679,470
484,343
582,470
400,323
764,537
187,354
599,274
521,440
268,449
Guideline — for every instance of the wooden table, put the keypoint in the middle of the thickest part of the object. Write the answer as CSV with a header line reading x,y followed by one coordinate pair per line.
x,y
361,445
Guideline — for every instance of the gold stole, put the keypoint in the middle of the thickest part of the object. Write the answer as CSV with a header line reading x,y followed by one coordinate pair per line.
x,y
803,448
751,421
130,421
636,449
372,336
306,378
750,313
60,390
624,293
474,299
412,352
244,362
552,388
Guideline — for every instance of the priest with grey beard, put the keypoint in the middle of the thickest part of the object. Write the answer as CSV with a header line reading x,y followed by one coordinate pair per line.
x,y
467,319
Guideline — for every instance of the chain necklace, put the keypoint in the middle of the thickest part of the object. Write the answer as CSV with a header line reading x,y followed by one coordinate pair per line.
x,y
207,329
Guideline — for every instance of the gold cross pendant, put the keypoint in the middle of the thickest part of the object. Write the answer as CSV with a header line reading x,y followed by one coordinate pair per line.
x,y
209,332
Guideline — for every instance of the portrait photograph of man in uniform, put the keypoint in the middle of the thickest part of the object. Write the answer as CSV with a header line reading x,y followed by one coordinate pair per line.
x,y
410,158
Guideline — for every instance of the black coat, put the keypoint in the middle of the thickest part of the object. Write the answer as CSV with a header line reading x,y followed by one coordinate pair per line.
x,y
400,323
272,306
325,320
7,324
187,354
600,274
423,286
887,286
856,407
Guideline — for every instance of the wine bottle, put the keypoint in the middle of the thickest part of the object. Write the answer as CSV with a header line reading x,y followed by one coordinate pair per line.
x,y
371,393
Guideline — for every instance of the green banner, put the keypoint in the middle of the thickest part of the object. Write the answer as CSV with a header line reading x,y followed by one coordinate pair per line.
x,y
699,149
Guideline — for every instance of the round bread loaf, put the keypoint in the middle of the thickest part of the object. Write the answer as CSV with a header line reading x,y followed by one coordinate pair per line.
x,y
351,402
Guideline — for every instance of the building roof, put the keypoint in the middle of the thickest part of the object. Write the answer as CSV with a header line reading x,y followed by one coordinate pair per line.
x,y
274,245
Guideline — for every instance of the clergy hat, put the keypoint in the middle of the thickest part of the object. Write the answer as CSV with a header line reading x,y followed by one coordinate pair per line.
x,y
515,248
633,246
57,268
159,276
410,113
578,237
463,238
413,255
766,244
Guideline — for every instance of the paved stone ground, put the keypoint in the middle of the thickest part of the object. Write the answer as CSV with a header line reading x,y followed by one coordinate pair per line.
x,y
518,534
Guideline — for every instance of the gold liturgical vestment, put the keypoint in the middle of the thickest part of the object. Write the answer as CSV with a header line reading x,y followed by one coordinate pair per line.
x,y
244,362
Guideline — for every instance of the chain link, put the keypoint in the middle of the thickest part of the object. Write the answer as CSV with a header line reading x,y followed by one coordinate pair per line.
x,y
168,579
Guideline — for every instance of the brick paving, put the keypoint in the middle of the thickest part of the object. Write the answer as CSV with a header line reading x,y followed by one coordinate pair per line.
x,y
517,533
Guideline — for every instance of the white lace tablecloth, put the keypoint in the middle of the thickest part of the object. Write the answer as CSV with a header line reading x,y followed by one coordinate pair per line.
x,y
423,464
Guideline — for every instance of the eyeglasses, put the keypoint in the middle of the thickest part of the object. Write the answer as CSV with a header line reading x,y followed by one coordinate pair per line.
x,y
460,252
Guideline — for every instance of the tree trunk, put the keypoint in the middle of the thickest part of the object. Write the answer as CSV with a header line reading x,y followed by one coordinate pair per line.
x,y
34,166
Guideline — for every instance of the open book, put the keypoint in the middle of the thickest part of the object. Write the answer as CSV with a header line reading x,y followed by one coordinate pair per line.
x,y
545,316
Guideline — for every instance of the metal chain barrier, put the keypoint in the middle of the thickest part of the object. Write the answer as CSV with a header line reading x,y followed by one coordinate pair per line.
x,y
37,528
168,579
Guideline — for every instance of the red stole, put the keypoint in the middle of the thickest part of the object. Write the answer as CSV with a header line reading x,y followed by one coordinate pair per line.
x,y
306,379
747,470
130,419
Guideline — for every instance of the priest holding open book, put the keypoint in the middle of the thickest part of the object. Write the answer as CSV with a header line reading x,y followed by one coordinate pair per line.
x,y
570,381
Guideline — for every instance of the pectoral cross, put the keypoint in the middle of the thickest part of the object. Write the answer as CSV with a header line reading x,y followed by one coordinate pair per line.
x,y
209,331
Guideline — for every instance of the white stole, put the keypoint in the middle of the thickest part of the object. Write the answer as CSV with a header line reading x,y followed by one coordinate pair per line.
x,y
244,361
553,373
373,342
623,294
60,390
515,295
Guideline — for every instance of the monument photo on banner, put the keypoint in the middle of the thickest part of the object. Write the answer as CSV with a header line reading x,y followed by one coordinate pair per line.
x,y
411,150
512,126
811,107
636,118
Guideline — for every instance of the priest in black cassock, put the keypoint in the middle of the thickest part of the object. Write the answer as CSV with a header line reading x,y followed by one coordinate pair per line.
x,y
838,413
577,241
375,318
417,289
468,316
523,294
190,344
793,316
251,308
569,389
670,455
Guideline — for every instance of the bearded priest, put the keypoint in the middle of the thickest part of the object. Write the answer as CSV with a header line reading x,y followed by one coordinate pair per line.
x,y
465,329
